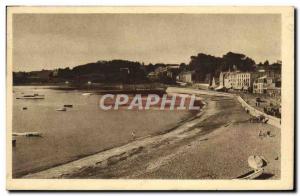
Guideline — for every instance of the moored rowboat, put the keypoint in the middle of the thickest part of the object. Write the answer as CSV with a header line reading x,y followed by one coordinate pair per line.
x,y
252,174
27,134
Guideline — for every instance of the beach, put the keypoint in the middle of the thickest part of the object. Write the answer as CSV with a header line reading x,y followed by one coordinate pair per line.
x,y
215,144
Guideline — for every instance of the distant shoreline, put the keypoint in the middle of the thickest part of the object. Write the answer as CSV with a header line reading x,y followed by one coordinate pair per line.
x,y
114,88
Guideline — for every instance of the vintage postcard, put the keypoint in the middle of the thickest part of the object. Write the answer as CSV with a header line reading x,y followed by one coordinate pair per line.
x,y
150,98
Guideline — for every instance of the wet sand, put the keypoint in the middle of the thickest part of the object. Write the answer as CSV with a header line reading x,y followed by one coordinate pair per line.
x,y
215,145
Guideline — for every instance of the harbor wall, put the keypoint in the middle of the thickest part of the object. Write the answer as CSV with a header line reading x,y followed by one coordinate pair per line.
x,y
197,92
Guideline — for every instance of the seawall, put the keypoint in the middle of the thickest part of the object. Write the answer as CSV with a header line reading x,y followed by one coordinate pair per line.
x,y
254,112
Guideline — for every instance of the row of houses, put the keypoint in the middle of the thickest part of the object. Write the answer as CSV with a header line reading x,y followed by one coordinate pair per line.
x,y
259,82
256,82
267,85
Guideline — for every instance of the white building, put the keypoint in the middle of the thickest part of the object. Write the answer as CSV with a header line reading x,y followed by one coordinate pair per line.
x,y
185,76
262,84
235,80
242,80
225,79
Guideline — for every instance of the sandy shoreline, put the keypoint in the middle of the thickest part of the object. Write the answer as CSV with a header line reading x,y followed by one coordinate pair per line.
x,y
216,145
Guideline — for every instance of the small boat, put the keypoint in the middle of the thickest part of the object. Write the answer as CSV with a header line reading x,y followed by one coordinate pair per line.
x,y
62,109
30,98
34,96
252,174
28,134
86,94
68,105
24,108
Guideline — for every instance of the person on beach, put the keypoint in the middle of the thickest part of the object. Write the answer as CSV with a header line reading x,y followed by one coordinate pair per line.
x,y
133,135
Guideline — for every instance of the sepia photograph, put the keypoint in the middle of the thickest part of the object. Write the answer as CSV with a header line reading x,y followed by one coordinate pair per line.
x,y
150,98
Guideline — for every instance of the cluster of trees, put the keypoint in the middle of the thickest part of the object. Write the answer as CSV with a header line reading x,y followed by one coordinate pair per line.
x,y
135,72
42,76
204,64
105,71
267,66
102,72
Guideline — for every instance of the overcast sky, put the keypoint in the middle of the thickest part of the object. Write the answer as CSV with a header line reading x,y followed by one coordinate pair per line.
x,y
47,41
